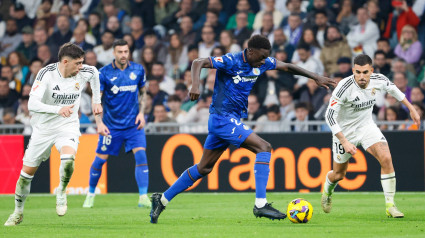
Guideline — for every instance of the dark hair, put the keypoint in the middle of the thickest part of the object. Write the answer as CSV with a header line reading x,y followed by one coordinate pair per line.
x,y
362,60
213,11
273,108
25,97
119,42
180,86
305,47
383,39
302,105
259,42
158,63
223,50
285,90
36,60
77,2
174,98
2,79
108,31
70,50
380,52
321,11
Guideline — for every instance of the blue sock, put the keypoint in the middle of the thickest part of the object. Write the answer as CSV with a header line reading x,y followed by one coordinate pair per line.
x,y
95,172
187,179
142,171
261,170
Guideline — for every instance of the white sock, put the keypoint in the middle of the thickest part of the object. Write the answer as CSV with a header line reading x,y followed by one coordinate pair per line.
x,y
260,202
22,190
329,186
91,194
164,201
65,171
143,196
388,185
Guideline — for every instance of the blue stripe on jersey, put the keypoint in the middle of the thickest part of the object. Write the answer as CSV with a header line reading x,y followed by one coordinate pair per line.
x,y
120,94
234,81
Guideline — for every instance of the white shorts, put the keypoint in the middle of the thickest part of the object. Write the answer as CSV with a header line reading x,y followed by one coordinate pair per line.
x,y
366,137
40,145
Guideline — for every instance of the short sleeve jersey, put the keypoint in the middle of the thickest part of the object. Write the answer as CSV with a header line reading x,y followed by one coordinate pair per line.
x,y
120,97
234,80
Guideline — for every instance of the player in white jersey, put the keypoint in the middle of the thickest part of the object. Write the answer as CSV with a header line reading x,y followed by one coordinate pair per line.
x,y
349,116
54,102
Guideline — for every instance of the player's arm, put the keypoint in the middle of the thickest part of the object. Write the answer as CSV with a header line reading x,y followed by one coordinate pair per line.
x,y
101,127
95,87
413,113
296,70
197,65
140,118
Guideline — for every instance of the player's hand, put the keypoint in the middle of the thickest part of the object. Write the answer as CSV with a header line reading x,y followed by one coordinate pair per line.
x,y
325,82
66,111
97,108
349,148
102,129
194,93
415,117
140,121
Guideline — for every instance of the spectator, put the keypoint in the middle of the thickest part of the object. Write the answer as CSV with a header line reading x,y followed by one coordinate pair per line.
x,y
160,114
152,41
171,22
267,27
409,48
294,7
113,25
271,122
83,24
148,108
80,40
402,15
417,95
23,115
287,80
91,59
400,80
242,31
17,12
44,14
35,66
166,83
293,30
420,108
11,39
228,42
110,8
384,45
338,77
399,66
336,46
176,113
27,47
134,54
380,63
144,9
255,110
163,8
207,43
214,7
307,62
344,66
187,34
362,37
76,6
136,26
65,10
14,83
312,94
9,117
320,25
242,6
158,96
147,59
376,15
40,37
346,19
276,15
105,52
280,43
199,113
62,35
287,106
319,5
393,113
177,58
308,38
8,97
302,116
389,101
19,65
182,92
26,90
95,26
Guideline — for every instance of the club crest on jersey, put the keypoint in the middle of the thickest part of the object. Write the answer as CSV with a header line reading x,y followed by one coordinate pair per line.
x,y
256,71
218,59
133,76
77,86
373,91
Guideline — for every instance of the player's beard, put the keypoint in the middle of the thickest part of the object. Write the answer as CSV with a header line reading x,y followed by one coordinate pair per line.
x,y
123,61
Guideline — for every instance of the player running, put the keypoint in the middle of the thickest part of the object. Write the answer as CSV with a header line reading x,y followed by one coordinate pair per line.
x,y
349,116
236,75
54,103
122,87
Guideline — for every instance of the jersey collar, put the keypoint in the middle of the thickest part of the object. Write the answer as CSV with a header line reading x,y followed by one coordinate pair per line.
x,y
245,60
115,67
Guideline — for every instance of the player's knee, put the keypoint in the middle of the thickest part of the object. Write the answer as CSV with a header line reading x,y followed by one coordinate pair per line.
x,y
386,161
205,170
265,147
338,176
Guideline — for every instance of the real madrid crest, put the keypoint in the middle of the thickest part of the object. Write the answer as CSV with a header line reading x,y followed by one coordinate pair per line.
x,y
77,86
373,91
133,76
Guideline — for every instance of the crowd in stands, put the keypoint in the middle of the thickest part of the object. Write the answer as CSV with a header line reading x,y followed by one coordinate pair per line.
x,y
165,36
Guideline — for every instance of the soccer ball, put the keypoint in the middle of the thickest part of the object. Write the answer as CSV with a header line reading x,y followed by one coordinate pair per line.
x,y
299,211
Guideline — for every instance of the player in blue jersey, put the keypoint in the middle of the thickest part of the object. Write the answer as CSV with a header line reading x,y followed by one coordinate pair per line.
x,y
122,85
236,74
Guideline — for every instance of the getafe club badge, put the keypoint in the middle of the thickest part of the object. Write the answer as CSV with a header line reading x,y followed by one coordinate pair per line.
x,y
373,91
103,148
133,76
77,86
256,71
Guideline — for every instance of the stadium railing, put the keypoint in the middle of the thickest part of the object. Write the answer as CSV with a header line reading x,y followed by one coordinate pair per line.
x,y
202,128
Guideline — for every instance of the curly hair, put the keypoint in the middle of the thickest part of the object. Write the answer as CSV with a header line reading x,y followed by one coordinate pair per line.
x,y
259,42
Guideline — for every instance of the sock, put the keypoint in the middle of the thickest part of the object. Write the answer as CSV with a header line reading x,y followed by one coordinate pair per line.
x,y
388,185
260,202
141,171
261,171
329,186
65,171
186,179
22,190
95,172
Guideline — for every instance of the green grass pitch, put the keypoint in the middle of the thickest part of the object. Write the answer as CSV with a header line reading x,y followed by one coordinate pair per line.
x,y
354,214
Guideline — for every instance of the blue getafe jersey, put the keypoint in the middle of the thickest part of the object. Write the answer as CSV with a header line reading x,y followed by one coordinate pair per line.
x,y
120,94
233,83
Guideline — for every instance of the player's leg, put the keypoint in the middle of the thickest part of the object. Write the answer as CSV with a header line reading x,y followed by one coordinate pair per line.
x,y
141,173
381,152
66,169
262,149
332,178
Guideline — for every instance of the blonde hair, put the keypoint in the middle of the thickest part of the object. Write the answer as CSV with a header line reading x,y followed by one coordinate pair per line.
x,y
405,44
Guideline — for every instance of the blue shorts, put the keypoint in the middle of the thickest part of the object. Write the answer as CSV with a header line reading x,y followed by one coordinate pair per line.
x,y
111,144
225,130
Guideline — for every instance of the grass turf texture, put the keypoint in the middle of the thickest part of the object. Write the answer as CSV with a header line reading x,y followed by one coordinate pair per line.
x,y
354,214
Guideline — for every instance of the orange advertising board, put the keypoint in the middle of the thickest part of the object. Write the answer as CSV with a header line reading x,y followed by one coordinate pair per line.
x,y
79,183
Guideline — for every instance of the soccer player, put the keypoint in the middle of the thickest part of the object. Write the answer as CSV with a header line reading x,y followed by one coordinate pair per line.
x,y
235,77
349,115
122,87
54,102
